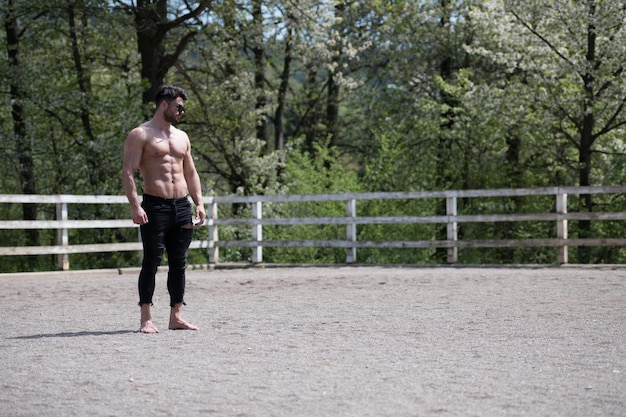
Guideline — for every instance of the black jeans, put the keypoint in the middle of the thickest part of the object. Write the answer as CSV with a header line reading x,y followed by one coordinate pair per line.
x,y
169,227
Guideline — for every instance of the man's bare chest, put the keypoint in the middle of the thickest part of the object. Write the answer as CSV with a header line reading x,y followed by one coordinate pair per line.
x,y
158,147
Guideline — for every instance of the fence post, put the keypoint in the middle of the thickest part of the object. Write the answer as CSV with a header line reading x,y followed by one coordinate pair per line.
x,y
561,227
213,249
351,231
63,260
257,232
453,253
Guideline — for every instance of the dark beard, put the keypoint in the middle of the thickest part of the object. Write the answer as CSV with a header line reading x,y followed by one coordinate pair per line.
x,y
171,118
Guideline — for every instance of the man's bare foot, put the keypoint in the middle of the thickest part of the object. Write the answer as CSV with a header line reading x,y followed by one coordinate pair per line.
x,y
148,327
176,322
180,324
146,320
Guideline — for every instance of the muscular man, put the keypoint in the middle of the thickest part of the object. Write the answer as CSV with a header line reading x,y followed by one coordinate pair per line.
x,y
162,153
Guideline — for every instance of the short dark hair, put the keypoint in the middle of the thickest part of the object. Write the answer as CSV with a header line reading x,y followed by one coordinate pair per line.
x,y
169,92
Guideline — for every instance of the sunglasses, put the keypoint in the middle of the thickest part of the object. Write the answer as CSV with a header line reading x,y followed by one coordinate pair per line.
x,y
179,107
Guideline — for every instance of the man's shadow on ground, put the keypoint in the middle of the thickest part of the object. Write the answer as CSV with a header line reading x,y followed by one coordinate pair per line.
x,y
76,334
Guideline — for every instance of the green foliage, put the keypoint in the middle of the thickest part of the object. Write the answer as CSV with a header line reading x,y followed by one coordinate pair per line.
x,y
324,173
328,98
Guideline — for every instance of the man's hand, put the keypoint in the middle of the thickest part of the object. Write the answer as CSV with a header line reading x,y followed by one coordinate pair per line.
x,y
200,215
139,216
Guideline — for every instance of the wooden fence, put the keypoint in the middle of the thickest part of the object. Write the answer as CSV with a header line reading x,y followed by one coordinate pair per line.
x,y
560,216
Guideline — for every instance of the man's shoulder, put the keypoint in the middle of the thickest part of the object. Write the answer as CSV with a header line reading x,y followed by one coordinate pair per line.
x,y
179,132
140,132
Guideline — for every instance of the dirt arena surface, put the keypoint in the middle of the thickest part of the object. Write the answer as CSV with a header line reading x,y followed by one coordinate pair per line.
x,y
319,341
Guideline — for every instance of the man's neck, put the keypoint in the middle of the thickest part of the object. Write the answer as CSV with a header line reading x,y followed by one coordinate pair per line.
x,y
158,122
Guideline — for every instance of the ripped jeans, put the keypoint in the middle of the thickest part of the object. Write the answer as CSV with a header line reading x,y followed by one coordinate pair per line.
x,y
169,227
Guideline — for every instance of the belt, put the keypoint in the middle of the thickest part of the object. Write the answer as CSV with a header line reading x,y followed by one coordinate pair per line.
x,y
153,198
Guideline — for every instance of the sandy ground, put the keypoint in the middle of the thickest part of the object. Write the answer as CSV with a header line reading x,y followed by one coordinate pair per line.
x,y
315,341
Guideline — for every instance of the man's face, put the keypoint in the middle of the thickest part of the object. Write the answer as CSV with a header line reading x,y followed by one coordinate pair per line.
x,y
174,111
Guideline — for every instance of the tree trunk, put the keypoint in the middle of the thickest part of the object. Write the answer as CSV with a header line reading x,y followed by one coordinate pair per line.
x,y
309,122
279,141
258,50
149,16
586,135
26,167
332,111
332,100
151,25
84,86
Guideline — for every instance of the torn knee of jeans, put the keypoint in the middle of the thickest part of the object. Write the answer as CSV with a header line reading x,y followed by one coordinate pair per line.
x,y
187,226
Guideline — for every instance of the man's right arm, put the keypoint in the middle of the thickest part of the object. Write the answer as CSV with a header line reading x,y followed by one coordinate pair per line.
x,y
133,151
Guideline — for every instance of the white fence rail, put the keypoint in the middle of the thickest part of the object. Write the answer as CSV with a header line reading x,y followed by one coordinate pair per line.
x,y
351,221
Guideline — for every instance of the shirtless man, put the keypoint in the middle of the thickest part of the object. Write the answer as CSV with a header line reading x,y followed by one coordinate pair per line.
x,y
162,153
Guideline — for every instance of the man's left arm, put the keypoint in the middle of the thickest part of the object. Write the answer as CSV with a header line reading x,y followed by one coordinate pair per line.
x,y
194,187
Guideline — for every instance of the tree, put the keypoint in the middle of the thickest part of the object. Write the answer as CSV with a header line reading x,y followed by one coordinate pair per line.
x,y
572,55
407,95
24,148
74,111
153,25
228,85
